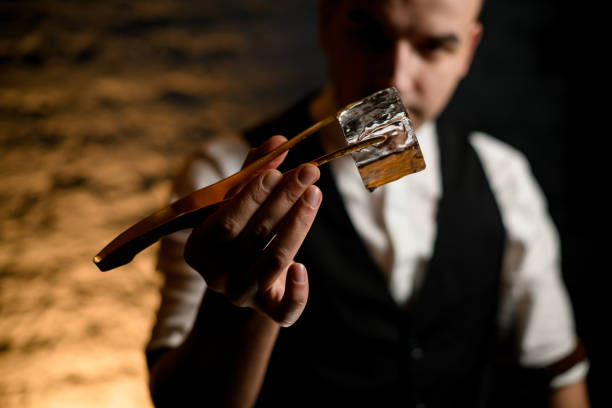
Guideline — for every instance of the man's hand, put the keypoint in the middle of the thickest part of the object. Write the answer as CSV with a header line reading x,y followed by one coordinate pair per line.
x,y
245,249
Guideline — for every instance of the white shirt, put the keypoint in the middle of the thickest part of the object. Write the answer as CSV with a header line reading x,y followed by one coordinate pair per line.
x,y
533,299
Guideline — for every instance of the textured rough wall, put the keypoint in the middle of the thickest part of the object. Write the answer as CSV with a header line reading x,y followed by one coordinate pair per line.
x,y
99,102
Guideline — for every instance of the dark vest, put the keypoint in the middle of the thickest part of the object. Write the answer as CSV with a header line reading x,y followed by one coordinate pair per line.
x,y
353,345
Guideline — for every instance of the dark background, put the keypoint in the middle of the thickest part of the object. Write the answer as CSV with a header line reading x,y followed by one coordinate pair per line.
x,y
100,102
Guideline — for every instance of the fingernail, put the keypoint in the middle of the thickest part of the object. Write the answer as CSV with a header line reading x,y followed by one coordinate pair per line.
x,y
307,174
270,180
312,196
299,275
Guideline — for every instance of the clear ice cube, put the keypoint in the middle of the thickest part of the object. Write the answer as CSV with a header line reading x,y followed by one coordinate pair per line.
x,y
382,114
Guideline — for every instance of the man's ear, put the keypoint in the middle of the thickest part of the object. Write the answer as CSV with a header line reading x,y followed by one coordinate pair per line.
x,y
473,39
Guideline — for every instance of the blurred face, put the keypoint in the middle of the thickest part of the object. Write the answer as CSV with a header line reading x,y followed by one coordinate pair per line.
x,y
422,47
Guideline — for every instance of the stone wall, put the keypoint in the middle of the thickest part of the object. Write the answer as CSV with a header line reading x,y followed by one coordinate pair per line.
x,y
99,103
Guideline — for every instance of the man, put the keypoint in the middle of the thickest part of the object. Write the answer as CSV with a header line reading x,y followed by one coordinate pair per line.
x,y
407,288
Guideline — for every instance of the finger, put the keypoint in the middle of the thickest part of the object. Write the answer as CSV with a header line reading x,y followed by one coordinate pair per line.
x,y
262,226
294,300
235,215
279,254
261,229
209,239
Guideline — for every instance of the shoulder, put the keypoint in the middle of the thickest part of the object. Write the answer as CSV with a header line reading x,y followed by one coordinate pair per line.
x,y
502,163
509,174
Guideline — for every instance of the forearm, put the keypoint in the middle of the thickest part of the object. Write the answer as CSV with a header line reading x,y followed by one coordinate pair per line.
x,y
223,361
571,396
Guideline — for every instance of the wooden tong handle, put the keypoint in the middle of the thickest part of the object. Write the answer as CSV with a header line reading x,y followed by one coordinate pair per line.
x,y
189,210
195,208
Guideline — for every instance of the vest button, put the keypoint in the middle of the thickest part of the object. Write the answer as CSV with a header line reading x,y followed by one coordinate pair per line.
x,y
417,353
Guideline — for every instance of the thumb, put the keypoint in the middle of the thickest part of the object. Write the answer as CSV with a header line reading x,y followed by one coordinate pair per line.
x,y
290,308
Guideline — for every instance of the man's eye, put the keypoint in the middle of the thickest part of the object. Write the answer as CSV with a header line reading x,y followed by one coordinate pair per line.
x,y
430,46
436,46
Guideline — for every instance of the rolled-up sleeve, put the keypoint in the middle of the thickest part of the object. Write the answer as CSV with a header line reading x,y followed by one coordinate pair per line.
x,y
183,287
535,306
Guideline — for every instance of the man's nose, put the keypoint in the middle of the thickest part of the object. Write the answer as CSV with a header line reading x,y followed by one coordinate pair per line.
x,y
405,66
